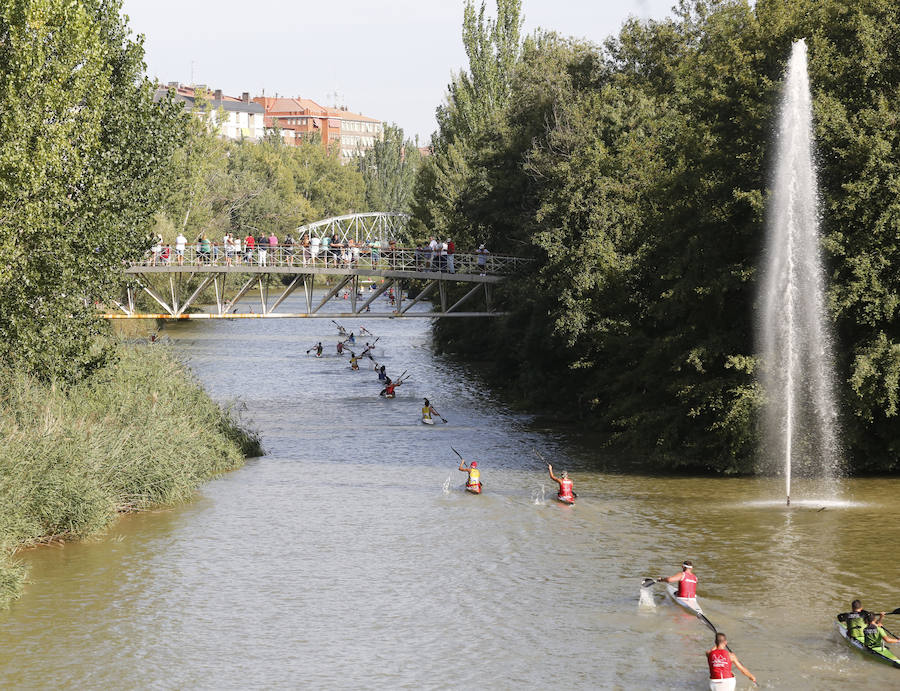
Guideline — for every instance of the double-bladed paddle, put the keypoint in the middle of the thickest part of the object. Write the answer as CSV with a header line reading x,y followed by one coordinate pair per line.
x,y
647,582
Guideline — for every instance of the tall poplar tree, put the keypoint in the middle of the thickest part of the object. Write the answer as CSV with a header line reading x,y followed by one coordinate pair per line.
x,y
84,155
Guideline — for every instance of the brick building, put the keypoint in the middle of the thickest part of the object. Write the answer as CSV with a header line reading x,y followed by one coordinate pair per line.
x,y
299,118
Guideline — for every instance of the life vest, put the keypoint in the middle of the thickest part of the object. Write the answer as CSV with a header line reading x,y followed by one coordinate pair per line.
x,y
687,587
426,412
354,363
719,664
474,478
389,389
872,636
856,622
565,489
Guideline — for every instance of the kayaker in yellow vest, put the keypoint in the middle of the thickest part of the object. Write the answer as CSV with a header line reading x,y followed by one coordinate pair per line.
x,y
474,479
427,410
354,361
873,635
855,620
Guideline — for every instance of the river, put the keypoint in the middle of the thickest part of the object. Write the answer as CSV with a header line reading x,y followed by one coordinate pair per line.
x,y
342,559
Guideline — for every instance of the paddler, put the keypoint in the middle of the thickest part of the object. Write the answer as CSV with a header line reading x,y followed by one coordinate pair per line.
x,y
354,361
720,659
382,374
686,580
873,635
565,485
855,620
351,338
318,348
340,347
474,479
428,410
389,387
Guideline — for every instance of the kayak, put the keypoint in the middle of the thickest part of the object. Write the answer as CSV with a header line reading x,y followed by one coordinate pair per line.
x,y
884,654
689,603
427,421
567,502
390,395
474,489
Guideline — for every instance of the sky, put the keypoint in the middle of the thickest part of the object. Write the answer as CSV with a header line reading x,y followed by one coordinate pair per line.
x,y
388,59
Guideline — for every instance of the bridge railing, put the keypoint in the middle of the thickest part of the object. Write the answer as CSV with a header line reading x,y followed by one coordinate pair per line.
x,y
405,259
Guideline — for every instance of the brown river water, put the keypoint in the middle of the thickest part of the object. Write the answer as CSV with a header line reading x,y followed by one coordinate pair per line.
x,y
349,557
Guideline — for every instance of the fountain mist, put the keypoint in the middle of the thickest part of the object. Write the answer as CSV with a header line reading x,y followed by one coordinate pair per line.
x,y
797,367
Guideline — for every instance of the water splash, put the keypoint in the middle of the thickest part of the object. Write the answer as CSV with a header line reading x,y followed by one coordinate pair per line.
x,y
537,496
445,488
801,430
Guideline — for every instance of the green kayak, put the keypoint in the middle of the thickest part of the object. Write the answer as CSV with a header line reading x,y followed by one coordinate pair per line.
x,y
884,654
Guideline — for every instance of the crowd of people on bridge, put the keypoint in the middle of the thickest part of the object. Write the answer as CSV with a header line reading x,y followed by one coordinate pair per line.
x,y
329,251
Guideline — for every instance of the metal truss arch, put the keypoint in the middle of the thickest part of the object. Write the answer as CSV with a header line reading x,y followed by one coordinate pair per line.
x,y
364,228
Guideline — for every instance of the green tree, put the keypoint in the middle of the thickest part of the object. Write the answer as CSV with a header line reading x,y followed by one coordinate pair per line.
x,y
389,170
84,159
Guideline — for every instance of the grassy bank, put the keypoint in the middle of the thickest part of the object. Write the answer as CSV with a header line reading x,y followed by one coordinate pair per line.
x,y
139,433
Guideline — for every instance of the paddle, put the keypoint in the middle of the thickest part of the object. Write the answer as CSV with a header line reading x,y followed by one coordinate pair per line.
x,y
896,611
647,582
543,460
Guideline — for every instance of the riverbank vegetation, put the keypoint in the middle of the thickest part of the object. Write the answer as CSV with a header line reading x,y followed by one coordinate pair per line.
x,y
137,433
635,174
90,427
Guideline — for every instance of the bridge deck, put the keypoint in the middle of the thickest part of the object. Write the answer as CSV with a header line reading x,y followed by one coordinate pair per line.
x,y
193,274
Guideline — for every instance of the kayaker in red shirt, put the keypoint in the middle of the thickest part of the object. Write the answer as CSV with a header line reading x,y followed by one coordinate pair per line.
x,y
565,485
720,659
686,580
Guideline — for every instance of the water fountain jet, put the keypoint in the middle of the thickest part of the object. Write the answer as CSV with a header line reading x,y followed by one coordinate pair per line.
x,y
797,364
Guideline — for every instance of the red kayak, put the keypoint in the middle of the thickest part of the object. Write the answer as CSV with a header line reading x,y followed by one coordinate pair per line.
x,y
474,489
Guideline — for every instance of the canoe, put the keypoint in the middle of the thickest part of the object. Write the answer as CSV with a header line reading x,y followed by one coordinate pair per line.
x,y
689,603
427,421
474,489
883,654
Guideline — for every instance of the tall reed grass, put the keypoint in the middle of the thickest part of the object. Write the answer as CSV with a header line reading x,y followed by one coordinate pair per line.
x,y
139,433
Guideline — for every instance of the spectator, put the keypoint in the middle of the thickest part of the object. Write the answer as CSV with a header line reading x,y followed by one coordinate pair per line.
x,y
326,250
156,250
289,245
376,250
482,259
431,254
306,249
166,253
273,247
314,244
262,250
451,250
205,248
249,246
180,244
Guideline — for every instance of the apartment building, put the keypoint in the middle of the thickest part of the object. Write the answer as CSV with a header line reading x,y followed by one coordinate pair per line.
x,y
298,118
235,118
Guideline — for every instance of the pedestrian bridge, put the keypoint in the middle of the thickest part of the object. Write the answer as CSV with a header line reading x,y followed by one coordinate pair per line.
x,y
178,283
